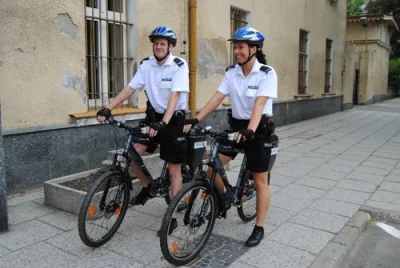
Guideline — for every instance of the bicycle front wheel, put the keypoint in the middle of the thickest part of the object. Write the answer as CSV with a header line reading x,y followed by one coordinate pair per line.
x,y
185,233
103,209
247,209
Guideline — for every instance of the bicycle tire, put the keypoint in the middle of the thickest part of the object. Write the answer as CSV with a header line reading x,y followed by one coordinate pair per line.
x,y
88,208
248,186
186,189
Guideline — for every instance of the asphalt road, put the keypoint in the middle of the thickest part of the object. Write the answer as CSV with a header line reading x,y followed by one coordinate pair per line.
x,y
376,248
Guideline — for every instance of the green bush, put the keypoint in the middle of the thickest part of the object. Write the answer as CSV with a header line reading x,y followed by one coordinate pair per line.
x,y
394,75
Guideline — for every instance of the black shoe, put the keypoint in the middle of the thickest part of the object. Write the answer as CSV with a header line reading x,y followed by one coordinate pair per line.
x,y
172,227
256,236
141,198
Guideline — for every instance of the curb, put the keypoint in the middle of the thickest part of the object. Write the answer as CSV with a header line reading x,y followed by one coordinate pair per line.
x,y
338,248
382,214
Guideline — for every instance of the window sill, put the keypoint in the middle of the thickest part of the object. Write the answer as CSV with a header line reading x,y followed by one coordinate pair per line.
x,y
303,96
328,94
121,114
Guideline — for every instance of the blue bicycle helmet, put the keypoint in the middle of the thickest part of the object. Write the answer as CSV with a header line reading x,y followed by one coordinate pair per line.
x,y
248,35
163,32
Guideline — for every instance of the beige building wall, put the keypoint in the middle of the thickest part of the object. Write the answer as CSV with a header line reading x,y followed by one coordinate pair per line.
x,y
371,52
42,55
280,22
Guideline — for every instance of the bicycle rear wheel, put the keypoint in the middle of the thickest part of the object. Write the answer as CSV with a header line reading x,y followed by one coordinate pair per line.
x,y
247,209
103,209
183,240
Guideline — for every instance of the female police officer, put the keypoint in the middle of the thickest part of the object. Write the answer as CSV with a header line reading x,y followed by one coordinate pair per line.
x,y
251,86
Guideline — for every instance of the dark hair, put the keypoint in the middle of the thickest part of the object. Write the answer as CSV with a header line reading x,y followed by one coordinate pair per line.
x,y
261,56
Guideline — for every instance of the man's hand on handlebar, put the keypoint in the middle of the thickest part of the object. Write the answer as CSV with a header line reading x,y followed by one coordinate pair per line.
x,y
245,133
103,115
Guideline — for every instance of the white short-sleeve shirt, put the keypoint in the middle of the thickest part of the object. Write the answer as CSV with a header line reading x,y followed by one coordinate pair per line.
x,y
243,91
161,81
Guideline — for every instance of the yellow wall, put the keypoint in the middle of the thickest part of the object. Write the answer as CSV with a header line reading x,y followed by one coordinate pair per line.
x,y
42,49
43,68
280,22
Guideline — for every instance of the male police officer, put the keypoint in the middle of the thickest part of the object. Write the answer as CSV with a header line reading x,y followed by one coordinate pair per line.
x,y
166,80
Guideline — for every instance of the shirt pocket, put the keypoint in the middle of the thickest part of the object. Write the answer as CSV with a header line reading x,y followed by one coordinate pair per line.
x,y
250,97
165,88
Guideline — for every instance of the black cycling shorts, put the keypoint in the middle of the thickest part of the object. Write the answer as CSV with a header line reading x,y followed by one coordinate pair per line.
x,y
172,140
257,151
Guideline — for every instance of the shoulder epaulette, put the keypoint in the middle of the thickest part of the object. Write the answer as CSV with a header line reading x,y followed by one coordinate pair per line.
x,y
144,60
265,69
178,61
230,67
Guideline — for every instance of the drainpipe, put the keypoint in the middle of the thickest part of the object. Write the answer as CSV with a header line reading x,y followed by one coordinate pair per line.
x,y
192,56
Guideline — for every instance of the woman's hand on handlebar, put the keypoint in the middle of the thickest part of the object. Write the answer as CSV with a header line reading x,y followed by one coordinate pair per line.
x,y
189,123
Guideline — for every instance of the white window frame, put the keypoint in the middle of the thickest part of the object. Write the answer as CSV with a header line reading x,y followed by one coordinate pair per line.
x,y
104,18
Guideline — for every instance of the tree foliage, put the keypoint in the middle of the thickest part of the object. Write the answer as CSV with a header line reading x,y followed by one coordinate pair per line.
x,y
394,75
388,7
354,7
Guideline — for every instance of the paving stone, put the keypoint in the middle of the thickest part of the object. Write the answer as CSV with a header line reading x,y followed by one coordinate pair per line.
x,y
302,191
360,176
387,155
145,243
26,211
233,226
280,180
301,237
275,255
384,206
371,170
40,255
23,197
70,242
106,258
135,221
326,174
4,251
386,197
220,251
62,220
347,196
27,233
382,160
335,207
334,251
344,162
371,164
289,202
361,186
155,207
336,168
316,182
320,220
393,177
296,173
390,186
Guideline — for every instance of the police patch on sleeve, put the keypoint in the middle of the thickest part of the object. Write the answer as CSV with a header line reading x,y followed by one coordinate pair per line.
x,y
229,67
178,61
265,69
144,60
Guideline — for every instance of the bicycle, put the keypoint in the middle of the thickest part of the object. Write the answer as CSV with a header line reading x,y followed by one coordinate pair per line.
x,y
212,204
107,200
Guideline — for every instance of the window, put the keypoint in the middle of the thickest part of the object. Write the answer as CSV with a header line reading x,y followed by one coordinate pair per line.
x,y
328,66
109,54
238,20
303,62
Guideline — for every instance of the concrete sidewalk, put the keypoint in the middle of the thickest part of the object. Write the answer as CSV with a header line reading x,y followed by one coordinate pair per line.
x,y
327,169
